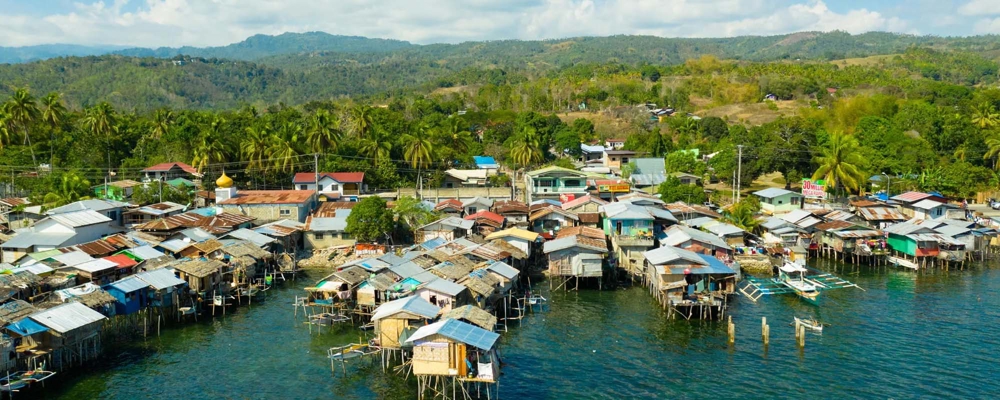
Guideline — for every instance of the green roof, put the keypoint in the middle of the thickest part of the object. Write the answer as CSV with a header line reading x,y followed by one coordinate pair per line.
x,y
180,181
547,170
41,255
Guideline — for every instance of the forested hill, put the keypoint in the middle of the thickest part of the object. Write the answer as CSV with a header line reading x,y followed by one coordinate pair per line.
x,y
11,55
260,46
374,67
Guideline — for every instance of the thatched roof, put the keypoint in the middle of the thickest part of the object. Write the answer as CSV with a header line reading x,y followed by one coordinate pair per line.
x,y
381,282
509,248
15,310
479,286
200,268
351,275
97,298
473,315
246,249
21,279
452,271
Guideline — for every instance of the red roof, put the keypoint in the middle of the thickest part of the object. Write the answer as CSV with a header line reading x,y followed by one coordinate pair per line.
x,y
583,200
911,197
168,166
489,215
342,177
122,260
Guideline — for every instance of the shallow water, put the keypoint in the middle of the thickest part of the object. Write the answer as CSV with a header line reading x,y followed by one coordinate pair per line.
x,y
928,334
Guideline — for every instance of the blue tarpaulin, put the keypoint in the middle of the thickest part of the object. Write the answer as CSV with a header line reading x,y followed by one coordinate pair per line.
x,y
26,327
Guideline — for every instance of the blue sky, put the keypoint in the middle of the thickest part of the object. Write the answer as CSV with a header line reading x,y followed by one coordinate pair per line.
x,y
153,23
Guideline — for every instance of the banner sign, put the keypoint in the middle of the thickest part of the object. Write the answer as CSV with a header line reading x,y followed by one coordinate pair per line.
x,y
616,188
813,189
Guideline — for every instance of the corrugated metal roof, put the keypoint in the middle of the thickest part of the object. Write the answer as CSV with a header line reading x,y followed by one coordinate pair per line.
x,y
678,234
701,222
28,239
414,305
458,331
927,204
67,317
906,228
175,245
667,254
72,258
433,243
838,215
858,233
514,232
251,236
911,197
129,285
445,286
795,215
575,241
881,214
160,279
75,219
97,265
659,213
406,269
197,234
90,204
723,229
808,222
146,252
504,270
771,193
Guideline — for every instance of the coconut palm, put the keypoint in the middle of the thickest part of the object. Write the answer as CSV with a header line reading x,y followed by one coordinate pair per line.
x,y
102,122
985,116
162,120
209,147
376,146
840,162
6,127
71,188
992,149
53,115
527,148
742,215
255,146
418,149
283,150
455,135
361,120
324,132
23,111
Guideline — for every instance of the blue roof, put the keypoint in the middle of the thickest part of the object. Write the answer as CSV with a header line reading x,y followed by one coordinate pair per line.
x,y
129,285
26,327
433,243
458,331
205,212
484,162
715,266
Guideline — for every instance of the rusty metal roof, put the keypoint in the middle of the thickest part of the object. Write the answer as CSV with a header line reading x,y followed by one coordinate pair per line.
x,y
834,225
584,231
881,214
911,197
510,207
270,197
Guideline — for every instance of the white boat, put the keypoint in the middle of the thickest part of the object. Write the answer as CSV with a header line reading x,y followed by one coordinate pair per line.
x,y
902,262
810,324
793,276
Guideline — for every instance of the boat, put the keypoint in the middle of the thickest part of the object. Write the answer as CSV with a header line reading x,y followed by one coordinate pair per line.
x,y
793,276
810,324
328,319
23,379
902,262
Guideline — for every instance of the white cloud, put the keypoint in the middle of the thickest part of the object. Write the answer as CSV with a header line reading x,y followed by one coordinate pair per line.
x,y
218,22
979,8
987,26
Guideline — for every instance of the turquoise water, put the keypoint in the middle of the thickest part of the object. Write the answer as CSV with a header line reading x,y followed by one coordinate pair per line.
x,y
929,334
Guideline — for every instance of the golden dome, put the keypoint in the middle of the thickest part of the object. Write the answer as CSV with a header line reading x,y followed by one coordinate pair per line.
x,y
224,182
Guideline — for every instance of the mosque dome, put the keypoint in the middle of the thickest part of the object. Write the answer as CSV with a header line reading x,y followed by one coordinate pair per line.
x,y
224,182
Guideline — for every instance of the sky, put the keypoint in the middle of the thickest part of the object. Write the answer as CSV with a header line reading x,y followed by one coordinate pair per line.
x,y
155,23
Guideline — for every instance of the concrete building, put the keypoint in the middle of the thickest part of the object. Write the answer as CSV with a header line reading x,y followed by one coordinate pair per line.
x,y
264,205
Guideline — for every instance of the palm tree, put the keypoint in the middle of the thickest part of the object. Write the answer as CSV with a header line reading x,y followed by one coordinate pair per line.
x,y
209,148
53,115
455,135
992,149
23,111
324,132
840,162
361,120
162,120
71,188
985,116
6,127
418,149
284,150
376,146
255,146
102,121
741,215
527,148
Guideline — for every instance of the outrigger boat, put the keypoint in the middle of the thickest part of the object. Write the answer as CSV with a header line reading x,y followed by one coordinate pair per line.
x,y
793,276
810,324
23,379
793,279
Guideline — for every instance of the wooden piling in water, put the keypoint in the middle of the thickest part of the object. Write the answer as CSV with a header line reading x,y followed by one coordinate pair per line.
x,y
732,331
765,331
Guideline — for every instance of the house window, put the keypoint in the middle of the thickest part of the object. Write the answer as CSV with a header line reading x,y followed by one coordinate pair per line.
x,y
334,187
284,212
614,158
303,187
937,212
624,160
572,183
319,236
345,236
471,210
544,183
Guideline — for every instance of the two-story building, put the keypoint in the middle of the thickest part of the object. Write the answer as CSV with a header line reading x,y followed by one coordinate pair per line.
x,y
171,170
333,186
552,182
614,159
775,201
264,205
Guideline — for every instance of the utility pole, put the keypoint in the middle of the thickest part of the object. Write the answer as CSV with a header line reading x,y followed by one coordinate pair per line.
x,y
316,173
739,173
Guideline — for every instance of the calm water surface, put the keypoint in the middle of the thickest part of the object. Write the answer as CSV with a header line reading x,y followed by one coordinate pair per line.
x,y
907,335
